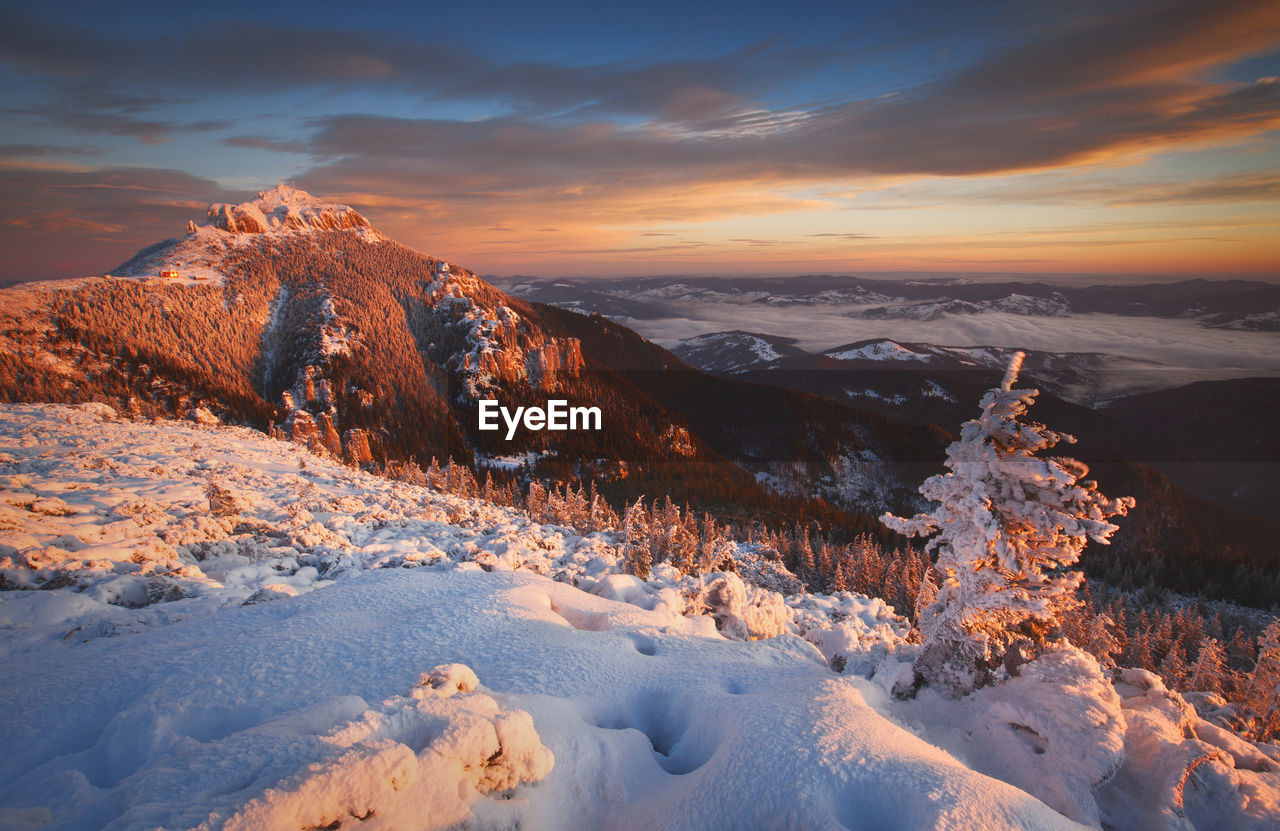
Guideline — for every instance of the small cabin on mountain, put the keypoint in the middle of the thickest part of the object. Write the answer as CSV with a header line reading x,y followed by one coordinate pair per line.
x,y
169,275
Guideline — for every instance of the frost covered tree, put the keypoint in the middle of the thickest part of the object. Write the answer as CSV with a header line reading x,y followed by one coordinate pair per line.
x,y
535,501
1173,668
635,530
1210,668
1262,696
1102,642
1009,525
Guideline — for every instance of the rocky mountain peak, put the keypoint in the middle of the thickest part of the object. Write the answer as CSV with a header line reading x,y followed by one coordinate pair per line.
x,y
284,208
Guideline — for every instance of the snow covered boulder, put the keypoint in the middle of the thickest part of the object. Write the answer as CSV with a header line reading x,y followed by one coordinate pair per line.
x,y
269,593
626,588
651,594
203,416
447,679
763,571
1181,772
1055,730
854,633
98,411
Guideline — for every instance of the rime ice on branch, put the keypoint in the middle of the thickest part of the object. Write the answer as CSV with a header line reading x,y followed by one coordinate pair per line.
x,y
1009,527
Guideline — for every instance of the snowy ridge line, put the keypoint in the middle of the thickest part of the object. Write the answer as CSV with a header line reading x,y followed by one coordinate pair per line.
x,y
135,517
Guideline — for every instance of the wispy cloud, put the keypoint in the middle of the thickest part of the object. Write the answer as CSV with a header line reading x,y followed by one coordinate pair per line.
x,y
611,153
267,143
88,221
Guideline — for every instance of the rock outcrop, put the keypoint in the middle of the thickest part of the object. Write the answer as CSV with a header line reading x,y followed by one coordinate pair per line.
x,y
556,361
284,208
202,415
302,428
356,442
329,435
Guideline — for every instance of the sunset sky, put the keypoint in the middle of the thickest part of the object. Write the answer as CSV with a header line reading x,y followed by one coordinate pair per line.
x,y
579,139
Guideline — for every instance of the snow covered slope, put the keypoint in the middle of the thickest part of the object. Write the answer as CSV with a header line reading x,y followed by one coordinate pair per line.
x,y
207,628
735,352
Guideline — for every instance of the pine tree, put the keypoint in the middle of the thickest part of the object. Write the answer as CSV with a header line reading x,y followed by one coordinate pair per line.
x,y
1262,693
1173,668
1162,640
635,529
1009,526
595,514
926,595
684,555
535,501
1242,651
1209,670
804,554
1102,641
1139,654
839,580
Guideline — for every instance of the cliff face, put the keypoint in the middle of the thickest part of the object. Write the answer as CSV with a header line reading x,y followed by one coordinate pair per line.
x,y
471,329
543,364
554,362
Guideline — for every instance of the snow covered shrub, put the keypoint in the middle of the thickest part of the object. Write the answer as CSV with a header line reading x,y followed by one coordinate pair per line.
x,y
741,612
1010,525
431,759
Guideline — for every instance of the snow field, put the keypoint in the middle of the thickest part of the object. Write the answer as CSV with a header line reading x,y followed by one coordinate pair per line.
x,y
258,717
208,628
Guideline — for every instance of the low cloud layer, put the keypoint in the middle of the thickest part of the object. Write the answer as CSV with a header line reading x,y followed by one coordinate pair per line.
x,y
1175,344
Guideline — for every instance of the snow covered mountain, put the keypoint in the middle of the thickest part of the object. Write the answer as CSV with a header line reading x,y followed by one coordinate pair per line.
x,y
206,628
921,383
734,352
294,315
1197,457
209,626
1054,305
1075,376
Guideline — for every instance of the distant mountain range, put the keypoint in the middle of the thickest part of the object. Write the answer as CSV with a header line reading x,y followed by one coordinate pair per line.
x,y
1210,437
1227,304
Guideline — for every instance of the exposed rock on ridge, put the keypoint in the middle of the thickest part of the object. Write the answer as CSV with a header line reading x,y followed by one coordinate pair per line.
x,y
284,208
